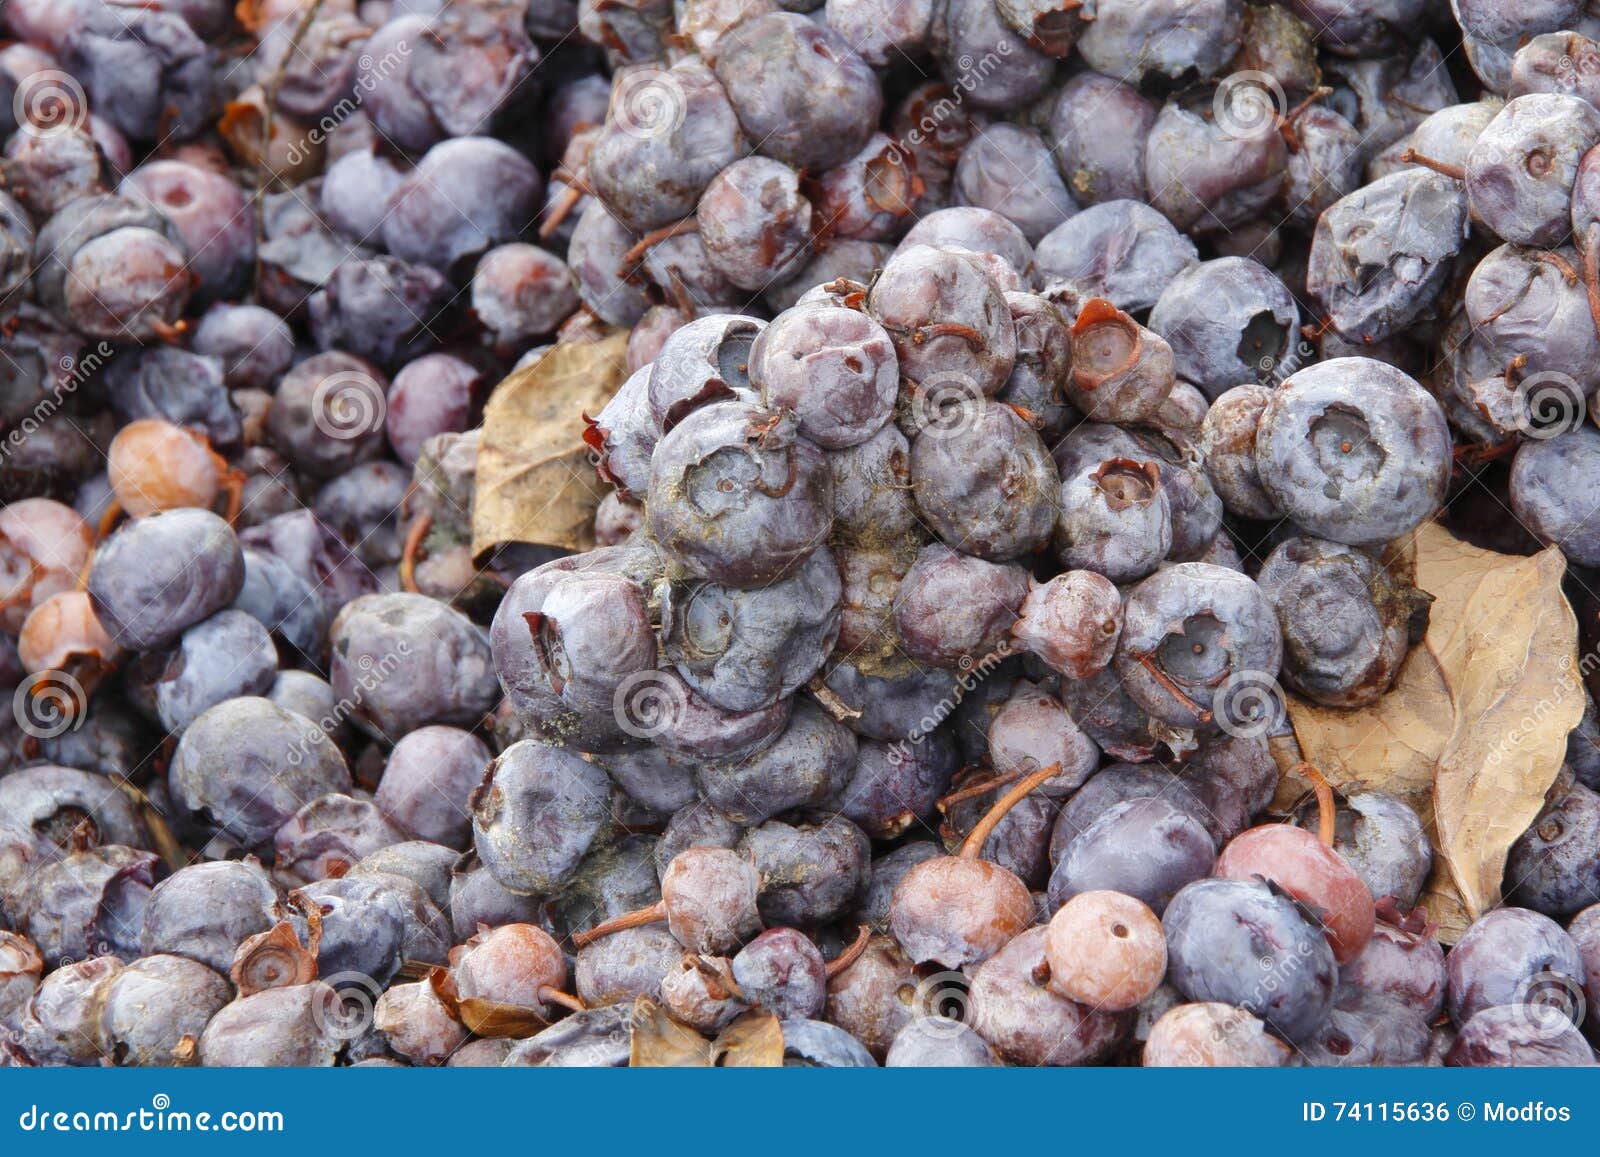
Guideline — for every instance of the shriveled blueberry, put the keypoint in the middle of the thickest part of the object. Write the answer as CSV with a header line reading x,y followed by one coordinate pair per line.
x,y
953,609
298,1025
1228,321
408,661
1189,628
835,368
1121,250
983,480
1354,450
247,765
535,815
160,575
1380,255
810,873
737,495
205,911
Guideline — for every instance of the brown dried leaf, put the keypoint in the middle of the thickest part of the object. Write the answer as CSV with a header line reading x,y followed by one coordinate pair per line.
x,y
534,482
753,1041
661,1042
1474,731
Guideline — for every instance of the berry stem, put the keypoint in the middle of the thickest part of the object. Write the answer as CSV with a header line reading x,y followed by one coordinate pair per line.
x,y
1325,809
1160,676
1454,172
564,999
653,238
408,557
974,790
830,701
974,841
851,954
652,914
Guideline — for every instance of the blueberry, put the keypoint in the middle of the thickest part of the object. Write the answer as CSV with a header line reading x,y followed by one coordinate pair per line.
x,y
895,787
1146,848
1026,1022
669,132
89,903
800,92
406,661
953,609
1515,957
1355,451
983,480
1228,321
1347,622
465,196
1545,492
1131,41
1244,944
1187,629
736,495
949,323
1380,255
810,873
1121,250
298,1025
1554,867
154,1011
835,368
205,911
536,813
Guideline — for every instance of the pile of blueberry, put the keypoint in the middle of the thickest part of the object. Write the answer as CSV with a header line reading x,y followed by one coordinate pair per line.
x,y
1023,396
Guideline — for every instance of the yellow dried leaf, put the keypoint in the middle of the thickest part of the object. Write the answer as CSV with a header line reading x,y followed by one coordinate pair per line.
x,y
535,483
1475,730
661,1042
753,1041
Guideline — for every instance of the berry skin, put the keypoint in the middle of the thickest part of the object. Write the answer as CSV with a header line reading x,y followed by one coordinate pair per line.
x,y
154,1011
1204,177
1294,860
985,482
801,94
1347,621
972,30
208,211
1228,321
206,910
1510,1035
1384,840
782,971
937,1042
426,782
834,368
1547,480
956,912
1105,950
1133,39
737,496
808,765
1355,451
1405,967
705,360
1007,168
1218,934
